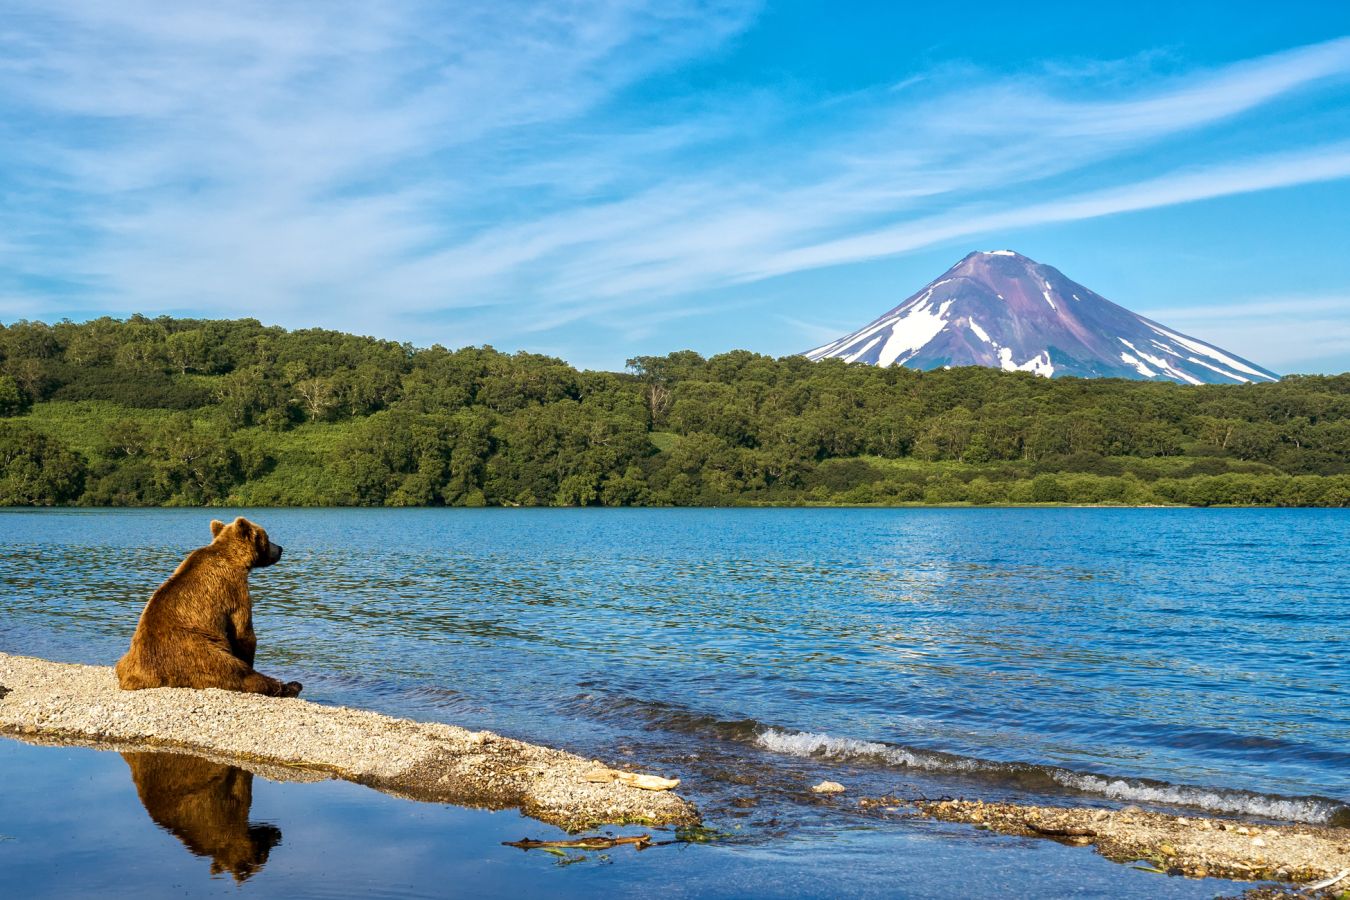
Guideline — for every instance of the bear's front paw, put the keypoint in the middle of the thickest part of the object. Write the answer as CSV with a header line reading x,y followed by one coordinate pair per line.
x,y
291,689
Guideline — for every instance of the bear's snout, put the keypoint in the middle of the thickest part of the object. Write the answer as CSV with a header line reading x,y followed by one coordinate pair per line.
x,y
273,554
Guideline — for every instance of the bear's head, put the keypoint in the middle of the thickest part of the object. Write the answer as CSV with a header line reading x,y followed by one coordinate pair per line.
x,y
258,547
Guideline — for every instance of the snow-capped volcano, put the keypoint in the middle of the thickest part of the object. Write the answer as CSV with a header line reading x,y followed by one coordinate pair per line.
x,y
999,308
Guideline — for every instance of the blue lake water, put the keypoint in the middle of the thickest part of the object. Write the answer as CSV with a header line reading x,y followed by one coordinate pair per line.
x,y
1192,658
72,825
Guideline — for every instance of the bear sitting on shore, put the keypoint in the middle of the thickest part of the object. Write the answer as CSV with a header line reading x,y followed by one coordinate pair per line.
x,y
197,629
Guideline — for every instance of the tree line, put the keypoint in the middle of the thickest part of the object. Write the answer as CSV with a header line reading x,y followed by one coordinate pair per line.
x,y
187,411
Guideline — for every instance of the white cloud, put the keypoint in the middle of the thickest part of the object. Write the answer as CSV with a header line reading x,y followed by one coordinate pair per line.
x,y
259,157
373,166
817,333
1283,333
1257,174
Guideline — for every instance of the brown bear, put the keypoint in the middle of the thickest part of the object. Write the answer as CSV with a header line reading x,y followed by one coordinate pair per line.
x,y
197,629
205,805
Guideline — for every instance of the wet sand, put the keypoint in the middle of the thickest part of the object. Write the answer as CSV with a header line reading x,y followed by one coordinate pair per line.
x,y
50,701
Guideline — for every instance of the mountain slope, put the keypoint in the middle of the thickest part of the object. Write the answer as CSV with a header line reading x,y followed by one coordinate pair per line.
x,y
1001,309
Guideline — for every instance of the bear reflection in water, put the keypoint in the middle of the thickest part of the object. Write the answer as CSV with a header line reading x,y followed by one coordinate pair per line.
x,y
205,805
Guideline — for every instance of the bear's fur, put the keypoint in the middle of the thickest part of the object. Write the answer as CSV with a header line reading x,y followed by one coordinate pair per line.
x,y
197,629
205,805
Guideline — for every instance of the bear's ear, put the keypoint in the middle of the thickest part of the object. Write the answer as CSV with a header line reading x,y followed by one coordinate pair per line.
x,y
244,527
217,527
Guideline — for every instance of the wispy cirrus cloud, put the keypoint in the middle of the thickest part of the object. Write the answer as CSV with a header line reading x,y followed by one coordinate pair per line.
x,y
513,168
1286,332
1264,172
263,157
946,150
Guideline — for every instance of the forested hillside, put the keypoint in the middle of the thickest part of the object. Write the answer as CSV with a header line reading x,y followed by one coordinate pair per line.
x,y
182,411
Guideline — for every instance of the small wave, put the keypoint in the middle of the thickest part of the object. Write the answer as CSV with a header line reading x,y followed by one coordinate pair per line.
x,y
1316,810
1294,809
823,746
1023,776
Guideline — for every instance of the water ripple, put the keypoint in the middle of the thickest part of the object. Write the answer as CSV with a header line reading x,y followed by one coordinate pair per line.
x,y
1201,647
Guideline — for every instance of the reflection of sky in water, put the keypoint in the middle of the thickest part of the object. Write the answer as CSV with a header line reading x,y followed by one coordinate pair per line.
x,y
73,825
1199,646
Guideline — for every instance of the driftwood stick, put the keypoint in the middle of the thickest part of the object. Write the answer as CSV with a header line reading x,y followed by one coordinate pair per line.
x,y
1061,832
1341,876
632,779
590,842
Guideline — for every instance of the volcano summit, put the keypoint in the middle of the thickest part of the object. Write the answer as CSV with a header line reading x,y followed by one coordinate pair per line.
x,y
1001,309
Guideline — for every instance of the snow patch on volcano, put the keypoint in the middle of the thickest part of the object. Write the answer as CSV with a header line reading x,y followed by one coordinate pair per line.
x,y
952,320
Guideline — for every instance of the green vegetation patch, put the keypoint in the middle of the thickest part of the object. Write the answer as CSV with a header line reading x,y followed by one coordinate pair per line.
x,y
83,425
201,412
664,440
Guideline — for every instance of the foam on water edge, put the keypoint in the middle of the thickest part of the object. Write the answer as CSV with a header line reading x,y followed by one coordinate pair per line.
x,y
814,745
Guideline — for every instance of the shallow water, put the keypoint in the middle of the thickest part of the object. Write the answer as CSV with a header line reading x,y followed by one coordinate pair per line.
x,y
81,823
1075,655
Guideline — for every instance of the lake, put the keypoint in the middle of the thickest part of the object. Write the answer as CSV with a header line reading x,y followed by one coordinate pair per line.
x,y
1187,658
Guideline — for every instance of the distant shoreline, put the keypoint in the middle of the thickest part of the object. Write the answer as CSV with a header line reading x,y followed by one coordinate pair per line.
x,y
166,411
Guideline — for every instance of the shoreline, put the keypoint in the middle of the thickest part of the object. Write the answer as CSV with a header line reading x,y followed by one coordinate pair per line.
x,y
1196,846
295,739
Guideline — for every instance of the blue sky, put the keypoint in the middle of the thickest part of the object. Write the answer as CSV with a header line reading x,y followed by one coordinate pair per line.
x,y
598,180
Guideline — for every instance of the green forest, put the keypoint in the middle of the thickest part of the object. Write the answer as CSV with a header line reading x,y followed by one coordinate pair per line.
x,y
166,411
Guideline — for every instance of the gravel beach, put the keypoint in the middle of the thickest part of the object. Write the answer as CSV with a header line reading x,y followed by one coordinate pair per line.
x,y
51,701
1197,846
